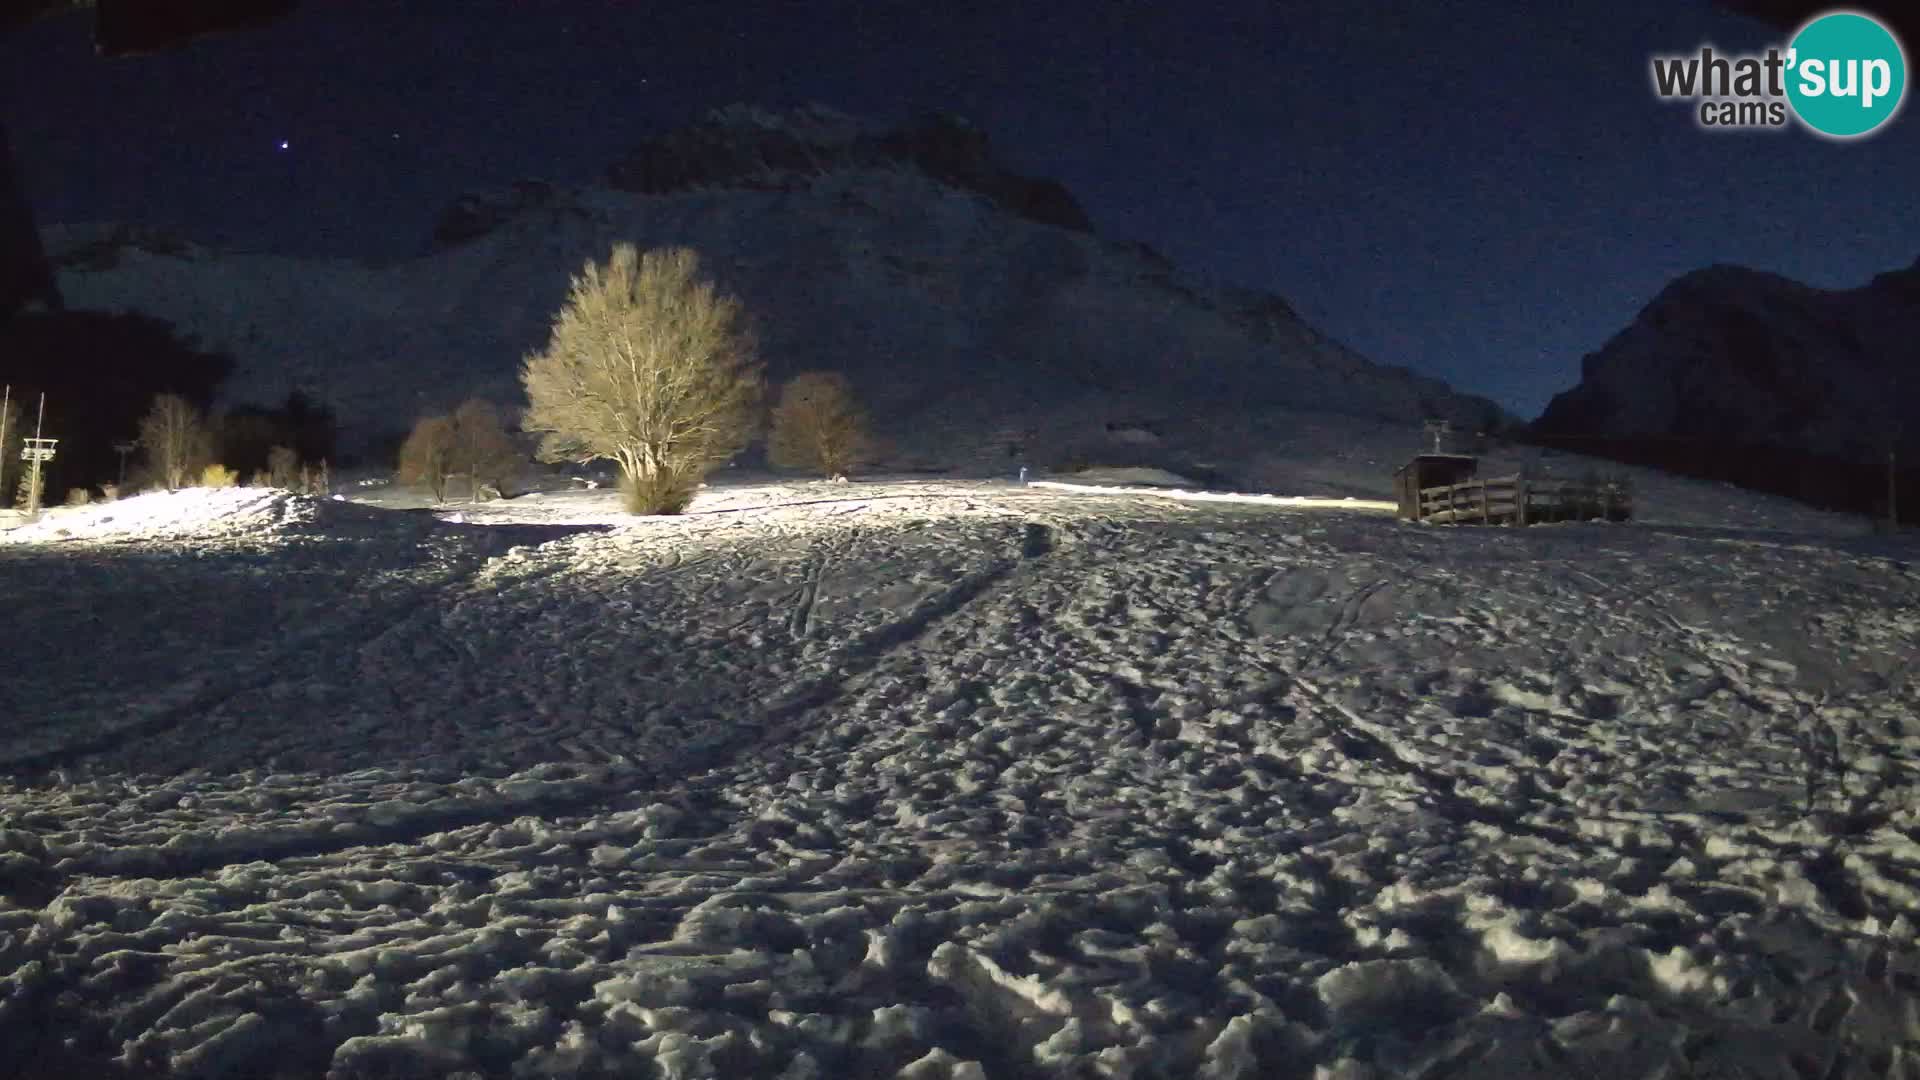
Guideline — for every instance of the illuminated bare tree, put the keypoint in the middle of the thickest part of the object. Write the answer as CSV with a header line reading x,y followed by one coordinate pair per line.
x,y
648,366
176,441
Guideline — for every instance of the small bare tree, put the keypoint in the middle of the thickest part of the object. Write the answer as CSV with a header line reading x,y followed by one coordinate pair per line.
x,y
176,441
651,367
283,467
819,426
482,448
427,455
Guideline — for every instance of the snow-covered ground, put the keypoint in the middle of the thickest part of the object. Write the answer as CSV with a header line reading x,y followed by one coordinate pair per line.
x,y
956,780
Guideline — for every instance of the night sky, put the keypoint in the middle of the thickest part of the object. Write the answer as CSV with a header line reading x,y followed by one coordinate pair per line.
x,y
1484,191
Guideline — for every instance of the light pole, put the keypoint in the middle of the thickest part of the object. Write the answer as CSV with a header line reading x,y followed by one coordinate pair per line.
x,y
6,406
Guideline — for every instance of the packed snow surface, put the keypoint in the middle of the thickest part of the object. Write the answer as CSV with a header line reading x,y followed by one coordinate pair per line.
x,y
947,780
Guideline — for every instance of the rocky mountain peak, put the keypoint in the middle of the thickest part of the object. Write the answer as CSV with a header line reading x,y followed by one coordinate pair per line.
x,y
746,147
1737,356
743,146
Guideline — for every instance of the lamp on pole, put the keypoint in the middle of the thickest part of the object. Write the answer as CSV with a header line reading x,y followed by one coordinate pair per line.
x,y
6,406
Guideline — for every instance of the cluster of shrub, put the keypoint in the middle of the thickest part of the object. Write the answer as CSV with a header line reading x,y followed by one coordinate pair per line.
x,y
180,446
94,380
650,367
817,426
86,378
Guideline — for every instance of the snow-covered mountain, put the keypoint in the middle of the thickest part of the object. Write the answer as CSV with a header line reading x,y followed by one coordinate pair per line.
x,y
971,304
1746,357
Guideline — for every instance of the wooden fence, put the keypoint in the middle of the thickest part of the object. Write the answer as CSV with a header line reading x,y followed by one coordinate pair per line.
x,y
1523,500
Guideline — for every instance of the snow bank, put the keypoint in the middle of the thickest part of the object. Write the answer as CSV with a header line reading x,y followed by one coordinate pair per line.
x,y
1296,501
190,512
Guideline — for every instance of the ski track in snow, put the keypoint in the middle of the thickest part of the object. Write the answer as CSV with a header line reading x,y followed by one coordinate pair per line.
x,y
947,780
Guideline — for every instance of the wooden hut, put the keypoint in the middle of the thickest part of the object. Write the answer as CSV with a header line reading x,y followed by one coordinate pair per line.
x,y
1427,471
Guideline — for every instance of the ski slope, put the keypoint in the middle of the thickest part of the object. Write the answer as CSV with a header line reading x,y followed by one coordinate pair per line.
x,y
947,780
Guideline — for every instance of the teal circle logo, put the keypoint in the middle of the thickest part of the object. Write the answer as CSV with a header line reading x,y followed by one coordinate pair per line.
x,y
1846,74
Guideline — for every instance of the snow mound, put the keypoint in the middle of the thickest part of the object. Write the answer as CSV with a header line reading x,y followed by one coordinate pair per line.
x,y
1254,498
1137,476
168,515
